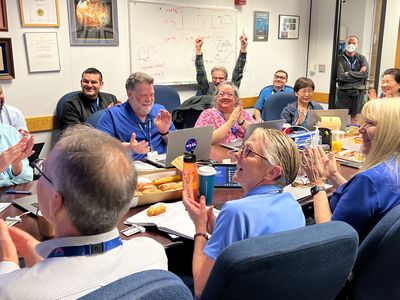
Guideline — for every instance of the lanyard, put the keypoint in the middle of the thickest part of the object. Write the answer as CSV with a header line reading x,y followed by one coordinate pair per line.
x,y
234,128
148,137
352,65
86,249
92,109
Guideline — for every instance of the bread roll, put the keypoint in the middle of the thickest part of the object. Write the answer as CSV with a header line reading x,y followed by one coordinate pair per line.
x,y
145,186
166,179
156,209
151,191
170,186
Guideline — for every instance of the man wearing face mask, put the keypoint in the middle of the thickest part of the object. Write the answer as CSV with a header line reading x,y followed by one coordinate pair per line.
x,y
352,73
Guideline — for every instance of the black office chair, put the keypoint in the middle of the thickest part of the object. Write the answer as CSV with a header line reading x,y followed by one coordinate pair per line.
x,y
166,96
94,118
307,263
145,285
61,103
376,270
275,104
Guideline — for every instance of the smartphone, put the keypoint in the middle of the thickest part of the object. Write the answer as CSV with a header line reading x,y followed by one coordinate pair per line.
x,y
131,230
223,178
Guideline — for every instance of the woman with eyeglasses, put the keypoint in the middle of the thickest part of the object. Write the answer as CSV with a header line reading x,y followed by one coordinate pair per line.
x,y
296,113
369,195
15,147
228,117
268,161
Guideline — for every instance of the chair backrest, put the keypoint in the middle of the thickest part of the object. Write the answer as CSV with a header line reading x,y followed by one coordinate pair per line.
x,y
312,262
275,104
145,285
94,118
376,270
167,96
60,105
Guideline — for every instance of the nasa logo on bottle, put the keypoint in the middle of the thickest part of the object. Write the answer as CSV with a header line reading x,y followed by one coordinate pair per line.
x,y
191,145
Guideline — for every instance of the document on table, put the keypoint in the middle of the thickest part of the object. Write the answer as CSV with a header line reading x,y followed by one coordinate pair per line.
x,y
3,206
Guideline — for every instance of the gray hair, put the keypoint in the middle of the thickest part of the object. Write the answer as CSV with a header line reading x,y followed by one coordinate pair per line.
x,y
220,68
138,77
280,150
96,177
234,87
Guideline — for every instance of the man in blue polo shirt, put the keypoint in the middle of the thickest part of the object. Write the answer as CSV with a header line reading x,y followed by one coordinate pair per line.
x,y
140,124
279,85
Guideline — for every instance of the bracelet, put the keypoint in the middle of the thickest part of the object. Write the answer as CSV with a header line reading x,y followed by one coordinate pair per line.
x,y
241,123
164,134
204,235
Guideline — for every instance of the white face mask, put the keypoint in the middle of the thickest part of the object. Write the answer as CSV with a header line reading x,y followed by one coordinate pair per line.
x,y
350,48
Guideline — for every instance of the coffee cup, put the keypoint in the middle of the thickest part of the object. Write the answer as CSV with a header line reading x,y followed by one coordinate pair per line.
x,y
206,182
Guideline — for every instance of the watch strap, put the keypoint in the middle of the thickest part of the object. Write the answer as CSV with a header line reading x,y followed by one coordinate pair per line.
x,y
316,189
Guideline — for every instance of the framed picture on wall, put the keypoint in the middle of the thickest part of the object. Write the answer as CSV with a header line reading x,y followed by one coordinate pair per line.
x,y
42,51
6,60
288,27
3,16
39,13
93,22
261,26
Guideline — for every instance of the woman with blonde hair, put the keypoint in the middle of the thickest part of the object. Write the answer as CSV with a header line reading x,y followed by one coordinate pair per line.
x,y
369,195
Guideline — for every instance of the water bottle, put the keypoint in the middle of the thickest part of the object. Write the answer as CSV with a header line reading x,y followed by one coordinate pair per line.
x,y
190,176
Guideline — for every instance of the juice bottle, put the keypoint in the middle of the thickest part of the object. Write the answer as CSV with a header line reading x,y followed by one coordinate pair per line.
x,y
190,176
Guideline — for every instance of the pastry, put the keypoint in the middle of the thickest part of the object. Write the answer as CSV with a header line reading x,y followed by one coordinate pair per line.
x,y
166,179
156,210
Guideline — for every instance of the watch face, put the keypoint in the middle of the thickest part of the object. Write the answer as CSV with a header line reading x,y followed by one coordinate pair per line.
x,y
315,189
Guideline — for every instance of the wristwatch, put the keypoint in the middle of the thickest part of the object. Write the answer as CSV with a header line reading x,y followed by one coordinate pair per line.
x,y
316,189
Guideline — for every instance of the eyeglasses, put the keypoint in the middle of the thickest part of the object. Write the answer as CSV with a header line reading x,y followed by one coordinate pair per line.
x,y
246,152
222,94
36,167
280,77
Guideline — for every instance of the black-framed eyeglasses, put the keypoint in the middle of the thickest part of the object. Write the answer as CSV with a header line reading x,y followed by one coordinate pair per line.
x,y
36,167
246,151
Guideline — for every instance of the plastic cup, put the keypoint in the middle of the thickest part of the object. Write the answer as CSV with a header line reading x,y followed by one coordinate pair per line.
x,y
337,140
206,182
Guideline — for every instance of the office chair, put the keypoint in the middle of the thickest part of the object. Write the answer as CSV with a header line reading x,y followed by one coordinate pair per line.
x,y
94,118
166,96
145,285
60,105
376,270
275,104
312,262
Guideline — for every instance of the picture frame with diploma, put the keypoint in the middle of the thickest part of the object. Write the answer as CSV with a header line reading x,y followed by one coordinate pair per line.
x,y
6,59
93,23
289,26
39,13
42,51
3,16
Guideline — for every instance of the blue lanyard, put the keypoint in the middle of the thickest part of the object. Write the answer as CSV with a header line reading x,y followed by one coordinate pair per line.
x,y
234,128
86,249
352,65
148,137
97,106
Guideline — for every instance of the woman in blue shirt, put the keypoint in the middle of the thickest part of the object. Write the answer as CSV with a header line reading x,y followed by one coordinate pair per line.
x,y
369,195
296,113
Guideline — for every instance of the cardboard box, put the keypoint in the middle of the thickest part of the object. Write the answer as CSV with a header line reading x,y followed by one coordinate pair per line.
x,y
162,196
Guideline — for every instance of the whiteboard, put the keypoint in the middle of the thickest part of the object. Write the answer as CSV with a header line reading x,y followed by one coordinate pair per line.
x,y
162,40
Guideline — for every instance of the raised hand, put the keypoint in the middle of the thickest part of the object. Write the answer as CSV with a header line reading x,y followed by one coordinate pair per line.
x,y
141,147
163,121
243,43
197,211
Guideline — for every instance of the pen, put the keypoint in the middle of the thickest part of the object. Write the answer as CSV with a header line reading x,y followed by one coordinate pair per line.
x,y
18,192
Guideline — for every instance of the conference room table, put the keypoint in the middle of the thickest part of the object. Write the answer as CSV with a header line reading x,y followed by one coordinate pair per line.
x,y
173,246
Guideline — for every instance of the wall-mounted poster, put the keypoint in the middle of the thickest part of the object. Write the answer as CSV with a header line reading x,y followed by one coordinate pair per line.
x,y
39,13
93,22
6,59
261,25
3,16
288,27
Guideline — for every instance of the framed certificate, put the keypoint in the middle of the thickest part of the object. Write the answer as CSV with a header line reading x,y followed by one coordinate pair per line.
x,y
42,51
39,13
6,59
288,27
3,16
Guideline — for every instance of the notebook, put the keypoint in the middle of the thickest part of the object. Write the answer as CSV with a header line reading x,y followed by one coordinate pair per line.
x,y
274,124
28,203
177,142
38,149
314,116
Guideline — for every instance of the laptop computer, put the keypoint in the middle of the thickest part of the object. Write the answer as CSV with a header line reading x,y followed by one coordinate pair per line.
x,y
274,124
38,149
28,203
177,141
314,116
